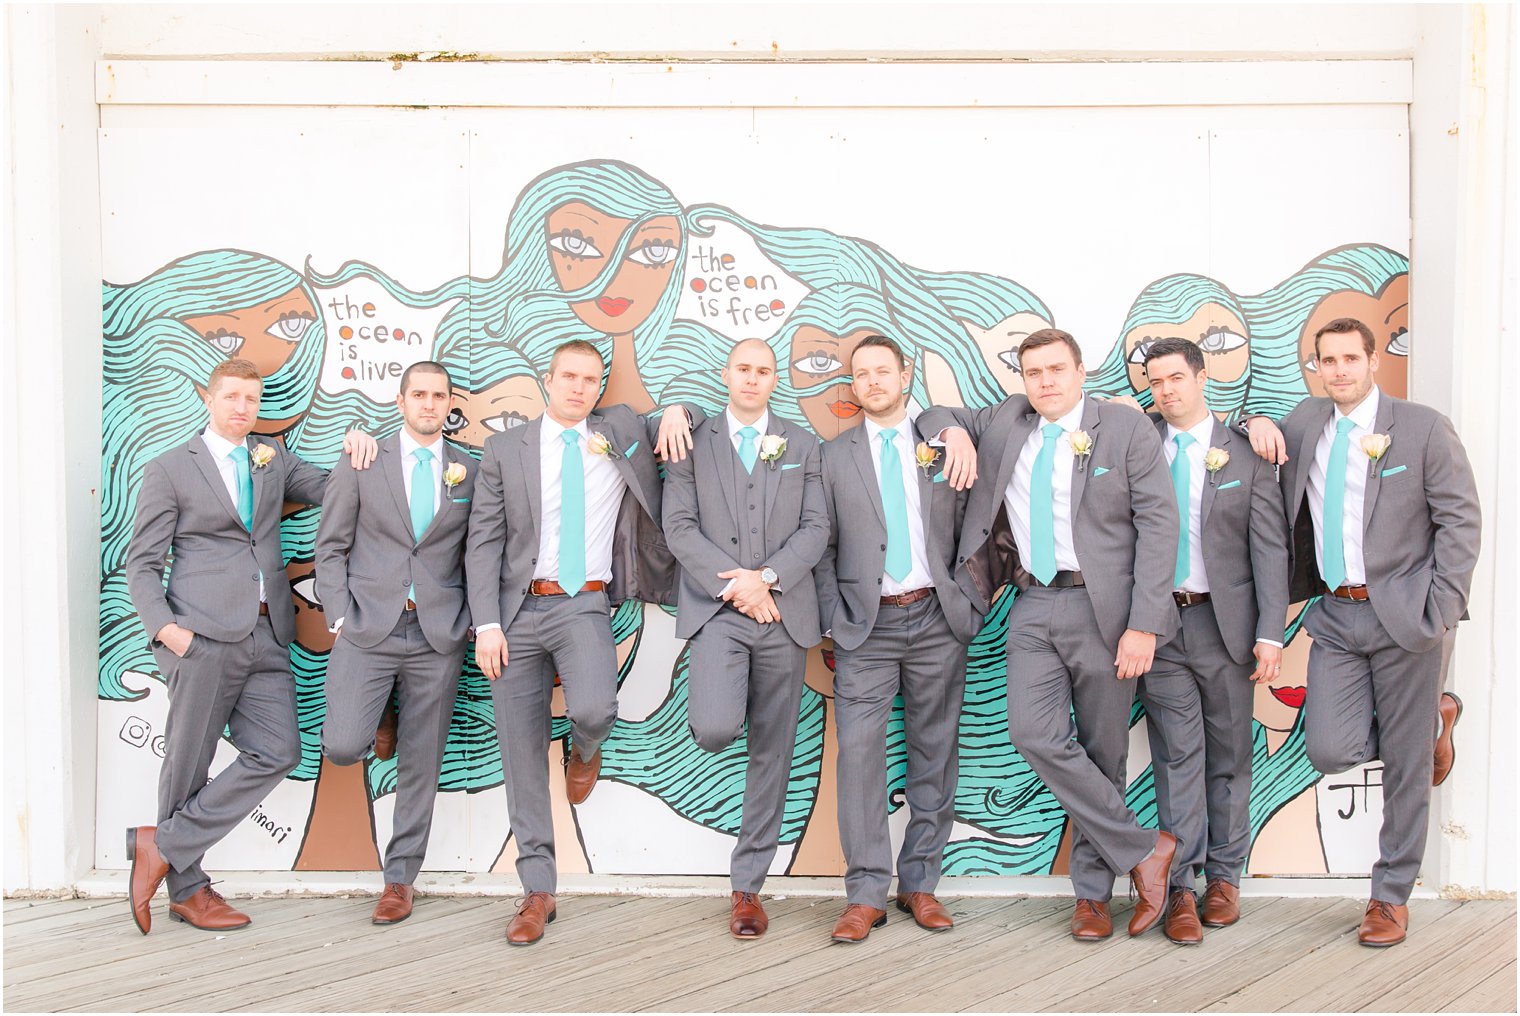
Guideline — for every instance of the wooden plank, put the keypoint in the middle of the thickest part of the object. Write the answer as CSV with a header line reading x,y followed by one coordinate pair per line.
x,y
1495,993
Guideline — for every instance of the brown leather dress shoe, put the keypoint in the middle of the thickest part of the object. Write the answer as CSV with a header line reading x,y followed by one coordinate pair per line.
x,y
1383,925
395,904
857,921
1181,924
385,733
580,775
149,870
527,927
748,919
1149,879
928,912
207,911
1221,904
1446,749
1090,921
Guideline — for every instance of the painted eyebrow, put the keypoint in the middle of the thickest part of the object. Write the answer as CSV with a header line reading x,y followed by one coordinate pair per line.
x,y
278,303
581,215
1393,312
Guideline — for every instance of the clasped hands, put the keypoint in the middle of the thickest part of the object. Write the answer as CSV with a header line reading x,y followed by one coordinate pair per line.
x,y
750,595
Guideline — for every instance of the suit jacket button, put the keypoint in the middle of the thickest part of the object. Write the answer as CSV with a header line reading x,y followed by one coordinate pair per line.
x,y
754,530
878,582
733,539
986,532
883,546
254,576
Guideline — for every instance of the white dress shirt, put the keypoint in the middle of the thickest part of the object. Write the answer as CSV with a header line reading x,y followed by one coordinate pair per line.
x,y
919,576
1197,580
604,488
221,454
409,463
1017,494
734,426
1364,418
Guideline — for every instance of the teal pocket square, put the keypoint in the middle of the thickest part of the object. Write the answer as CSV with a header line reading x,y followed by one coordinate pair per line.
x,y
1393,470
1227,486
791,465
461,500
1099,471
941,478
630,449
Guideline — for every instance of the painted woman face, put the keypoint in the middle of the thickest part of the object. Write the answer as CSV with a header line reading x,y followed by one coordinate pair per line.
x,y
999,346
1279,700
1218,331
508,403
581,239
266,333
816,359
1387,314
311,621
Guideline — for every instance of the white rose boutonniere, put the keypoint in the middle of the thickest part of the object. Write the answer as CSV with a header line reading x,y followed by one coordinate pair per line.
x,y
772,447
1215,459
599,445
261,456
454,475
1375,446
1081,446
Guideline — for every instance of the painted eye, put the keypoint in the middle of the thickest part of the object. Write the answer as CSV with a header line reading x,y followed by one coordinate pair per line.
x,y
455,422
573,243
306,589
1311,365
505,421
290,327
1010,359
1399,344
225,342
1221,340
1137,355
817,363
653,253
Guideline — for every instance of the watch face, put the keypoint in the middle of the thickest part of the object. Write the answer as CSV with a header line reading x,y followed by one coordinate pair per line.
x,y
768,576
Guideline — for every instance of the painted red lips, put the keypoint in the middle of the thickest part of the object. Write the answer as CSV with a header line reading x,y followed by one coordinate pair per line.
x,y
843,409
1293,698
612,306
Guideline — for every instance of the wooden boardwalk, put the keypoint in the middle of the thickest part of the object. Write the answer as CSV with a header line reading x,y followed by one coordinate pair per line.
x,y
617,953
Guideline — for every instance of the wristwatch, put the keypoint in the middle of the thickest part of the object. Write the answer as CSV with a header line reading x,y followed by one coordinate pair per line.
x,y
768,576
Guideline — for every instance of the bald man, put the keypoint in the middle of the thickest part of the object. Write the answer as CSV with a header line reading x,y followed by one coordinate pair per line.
x,y
745,518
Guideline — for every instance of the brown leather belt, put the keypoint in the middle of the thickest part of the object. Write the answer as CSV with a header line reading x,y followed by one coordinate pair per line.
x,y
546,587
1024,579
1186,599
912,596
263,609
410,605
1358,593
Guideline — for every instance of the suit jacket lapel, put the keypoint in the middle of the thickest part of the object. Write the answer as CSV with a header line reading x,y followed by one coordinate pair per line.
x,y
1383,424
774,425
925,483
1082,465
530,453
1023,425
259,482
721,449
1221,440
860,451
392,466
205,461
1306,446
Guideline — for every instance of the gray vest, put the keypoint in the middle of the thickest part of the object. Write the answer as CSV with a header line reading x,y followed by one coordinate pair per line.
x,y
749,489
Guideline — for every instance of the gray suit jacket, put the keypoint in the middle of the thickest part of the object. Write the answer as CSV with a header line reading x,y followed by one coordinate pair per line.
x,y
702,526
1245,545
848,575
368,557
502,549
1124,514
1420,518
213,587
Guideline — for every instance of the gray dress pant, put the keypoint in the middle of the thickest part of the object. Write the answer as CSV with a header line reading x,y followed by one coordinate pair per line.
x,y
1198,702
740,668
1368,698
248,687
911,649
359,683
1057,664
571,636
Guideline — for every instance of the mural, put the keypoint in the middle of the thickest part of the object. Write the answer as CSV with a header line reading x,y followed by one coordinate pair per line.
x,y
601,250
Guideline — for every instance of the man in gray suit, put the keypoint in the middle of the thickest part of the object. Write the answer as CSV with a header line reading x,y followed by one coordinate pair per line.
x,y
1383,509
564,526
745,519
390,571
1230,584
886,589
219,632
1076,508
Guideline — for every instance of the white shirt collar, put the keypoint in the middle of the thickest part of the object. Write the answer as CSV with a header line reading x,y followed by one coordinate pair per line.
x,y
762,425
1364,416
1070,422
409,446
220,446
1202,431
551,431
904,430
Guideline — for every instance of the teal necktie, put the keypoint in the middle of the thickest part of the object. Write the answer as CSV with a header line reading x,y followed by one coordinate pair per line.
x,y
1182,483
1334,551
244,485
421,502
748,447
894,502
572,516
1042,508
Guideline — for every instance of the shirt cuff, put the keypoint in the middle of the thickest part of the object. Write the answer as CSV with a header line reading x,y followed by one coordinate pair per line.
x,y
1269,642
726,589
488,626
332,629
